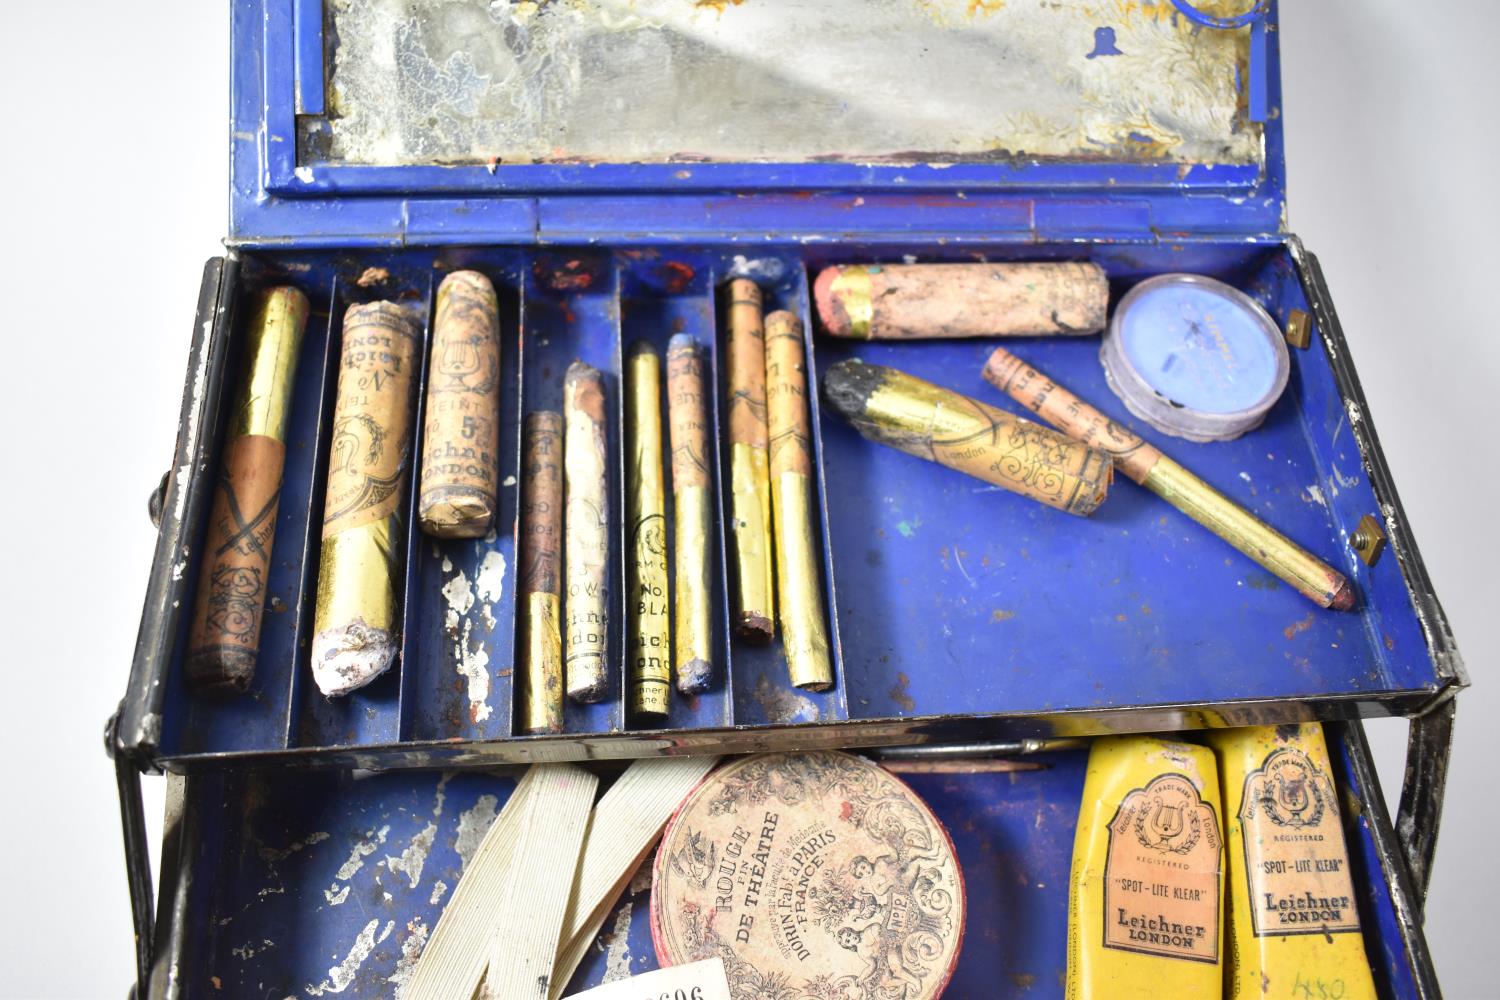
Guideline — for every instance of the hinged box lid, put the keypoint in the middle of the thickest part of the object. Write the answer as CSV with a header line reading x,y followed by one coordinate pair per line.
x,y
441,121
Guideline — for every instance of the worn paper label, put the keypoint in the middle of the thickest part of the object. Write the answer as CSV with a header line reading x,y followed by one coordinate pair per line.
x,y
372,418
819,872
694,981
239,545
462,429
1298,868
1161,875
747,365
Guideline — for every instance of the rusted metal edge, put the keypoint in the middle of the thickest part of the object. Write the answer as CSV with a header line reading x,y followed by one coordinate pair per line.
x,y
1434,621
1429,744
137,732
844,734
1405,899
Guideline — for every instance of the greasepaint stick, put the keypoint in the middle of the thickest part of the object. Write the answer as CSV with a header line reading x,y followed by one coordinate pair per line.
x,y
586,566
649,648
461,427
356,630
1292,917
912,415
909,301
749,466
541,570
692,505
800,608
225,636
1146,890
1145,464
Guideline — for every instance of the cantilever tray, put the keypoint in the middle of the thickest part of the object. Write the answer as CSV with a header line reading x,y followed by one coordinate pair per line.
x,y
957,610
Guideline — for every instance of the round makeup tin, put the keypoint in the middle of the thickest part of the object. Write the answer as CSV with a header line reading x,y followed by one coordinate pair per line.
x,y
1194,357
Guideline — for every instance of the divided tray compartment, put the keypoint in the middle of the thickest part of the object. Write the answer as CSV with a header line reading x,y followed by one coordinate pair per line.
x,y
955,610
958,598
285,881
763,695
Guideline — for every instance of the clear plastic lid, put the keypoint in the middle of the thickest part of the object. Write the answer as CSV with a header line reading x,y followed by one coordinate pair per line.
x,y
1194,357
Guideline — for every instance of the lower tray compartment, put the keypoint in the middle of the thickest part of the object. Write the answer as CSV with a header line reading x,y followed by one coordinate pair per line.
x,y
308,883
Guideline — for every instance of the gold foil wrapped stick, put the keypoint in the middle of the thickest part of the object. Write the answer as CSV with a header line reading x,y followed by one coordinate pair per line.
x,y
804,634
909,414
587,534
1145,464
461,428
225,634
749,466
356,624
540,554
650,641
909,301
687,409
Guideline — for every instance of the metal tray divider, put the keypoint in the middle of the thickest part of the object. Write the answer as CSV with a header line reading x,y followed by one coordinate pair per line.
x,y
312,537
718,426
407,661
508,683
815,412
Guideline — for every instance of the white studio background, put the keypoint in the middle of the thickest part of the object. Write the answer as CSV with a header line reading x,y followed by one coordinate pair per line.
x,y
115,177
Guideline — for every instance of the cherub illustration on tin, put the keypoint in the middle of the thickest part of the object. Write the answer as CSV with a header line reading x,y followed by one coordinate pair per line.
x,y
696,859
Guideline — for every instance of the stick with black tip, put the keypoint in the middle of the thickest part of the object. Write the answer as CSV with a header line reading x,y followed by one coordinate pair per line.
x,y
912,415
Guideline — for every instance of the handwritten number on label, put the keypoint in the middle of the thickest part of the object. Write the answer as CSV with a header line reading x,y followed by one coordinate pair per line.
x,y
1318,989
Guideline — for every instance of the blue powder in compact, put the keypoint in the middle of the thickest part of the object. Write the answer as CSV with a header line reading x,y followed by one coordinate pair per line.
x,y
1199,348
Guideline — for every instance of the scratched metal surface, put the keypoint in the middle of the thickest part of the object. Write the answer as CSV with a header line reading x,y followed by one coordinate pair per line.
x,y
948,598
954,592
465,81
314,883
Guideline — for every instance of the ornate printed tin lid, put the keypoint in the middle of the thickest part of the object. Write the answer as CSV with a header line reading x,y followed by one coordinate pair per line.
x,y
815,876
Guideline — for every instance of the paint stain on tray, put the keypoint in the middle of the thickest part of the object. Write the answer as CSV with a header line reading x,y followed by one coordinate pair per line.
x,y
901,693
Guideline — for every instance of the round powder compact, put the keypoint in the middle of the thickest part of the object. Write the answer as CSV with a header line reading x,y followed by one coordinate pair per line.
x,y
1194,357
812,875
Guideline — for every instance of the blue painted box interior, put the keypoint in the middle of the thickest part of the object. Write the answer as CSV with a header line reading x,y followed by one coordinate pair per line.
x,y
956,611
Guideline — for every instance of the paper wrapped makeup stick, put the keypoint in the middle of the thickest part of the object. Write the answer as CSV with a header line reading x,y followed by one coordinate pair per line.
x,y
687,411
356,623
232,584
909,414
804,635
749,466
650,637
912,301
586,534
461,427
541,572
1145,464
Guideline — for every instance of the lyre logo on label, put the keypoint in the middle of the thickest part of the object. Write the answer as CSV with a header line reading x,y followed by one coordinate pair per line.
x,y
1169,822
1161,873
1289,789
